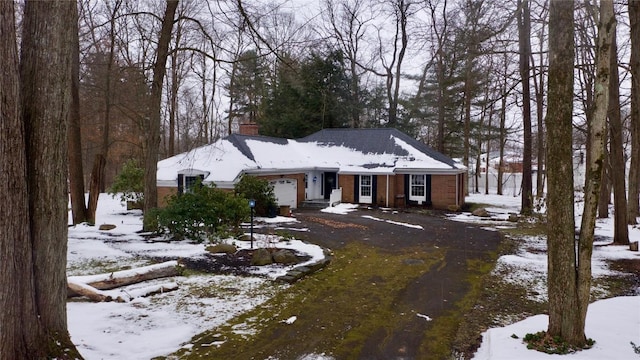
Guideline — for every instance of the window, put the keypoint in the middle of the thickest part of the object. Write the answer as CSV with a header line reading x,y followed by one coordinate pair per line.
x,y
365,185
418,188
187,179
190,182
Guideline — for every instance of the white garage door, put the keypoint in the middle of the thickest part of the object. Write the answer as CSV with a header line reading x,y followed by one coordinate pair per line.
x,y
286,191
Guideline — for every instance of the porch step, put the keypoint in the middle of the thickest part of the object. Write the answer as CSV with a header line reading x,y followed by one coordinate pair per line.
x,y
315,204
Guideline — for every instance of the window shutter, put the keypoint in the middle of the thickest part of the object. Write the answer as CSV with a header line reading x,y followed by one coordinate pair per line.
x,y
427,181
356,188
407,188
374,189
180,184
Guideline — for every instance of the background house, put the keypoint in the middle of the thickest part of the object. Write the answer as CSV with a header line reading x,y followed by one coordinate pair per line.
x,y
382,167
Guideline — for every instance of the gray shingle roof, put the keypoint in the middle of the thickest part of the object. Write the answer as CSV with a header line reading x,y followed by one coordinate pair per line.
x,y
376,141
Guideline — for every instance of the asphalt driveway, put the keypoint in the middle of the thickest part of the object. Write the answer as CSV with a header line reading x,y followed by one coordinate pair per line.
x,y
433,293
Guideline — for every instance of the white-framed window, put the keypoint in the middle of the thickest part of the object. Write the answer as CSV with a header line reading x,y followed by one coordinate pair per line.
x,y
418,188
366,189
189,181
188,178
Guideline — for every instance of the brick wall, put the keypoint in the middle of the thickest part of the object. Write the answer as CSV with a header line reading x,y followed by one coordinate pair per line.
x,y
164,193
443,191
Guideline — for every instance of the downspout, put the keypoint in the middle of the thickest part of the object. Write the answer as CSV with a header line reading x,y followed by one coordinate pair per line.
x,y
387,197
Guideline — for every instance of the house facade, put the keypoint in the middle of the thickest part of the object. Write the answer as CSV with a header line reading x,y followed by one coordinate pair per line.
x,y
380,167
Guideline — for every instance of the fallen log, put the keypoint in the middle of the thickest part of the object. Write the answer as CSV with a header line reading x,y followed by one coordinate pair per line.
x,y
147,291
91,293
117,279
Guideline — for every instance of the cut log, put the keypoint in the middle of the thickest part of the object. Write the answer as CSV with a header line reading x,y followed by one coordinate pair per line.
x,y
148,291
91,293
126,277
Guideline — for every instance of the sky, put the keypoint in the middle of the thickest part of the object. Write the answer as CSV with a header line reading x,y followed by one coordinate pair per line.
x,y
138,329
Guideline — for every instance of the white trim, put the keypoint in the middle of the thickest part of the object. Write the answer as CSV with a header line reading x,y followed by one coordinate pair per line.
x,y
387,195
193,172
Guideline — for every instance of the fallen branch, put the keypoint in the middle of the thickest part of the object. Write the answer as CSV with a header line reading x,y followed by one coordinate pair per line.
x,y
89,285
90,292
117,279
148,291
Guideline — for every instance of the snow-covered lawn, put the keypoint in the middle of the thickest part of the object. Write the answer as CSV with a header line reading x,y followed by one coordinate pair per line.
x,y
161,324
613,323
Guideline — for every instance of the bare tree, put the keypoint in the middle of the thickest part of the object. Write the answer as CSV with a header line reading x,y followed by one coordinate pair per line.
x,y
524,40
392,64
634,169
76,172
153,119
36,99
616,155
569,263
348,22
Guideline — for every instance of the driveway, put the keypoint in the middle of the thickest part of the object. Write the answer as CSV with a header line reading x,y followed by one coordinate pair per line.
x,y
433,293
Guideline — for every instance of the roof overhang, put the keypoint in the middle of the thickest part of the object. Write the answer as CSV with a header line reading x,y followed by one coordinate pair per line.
x,y
430,171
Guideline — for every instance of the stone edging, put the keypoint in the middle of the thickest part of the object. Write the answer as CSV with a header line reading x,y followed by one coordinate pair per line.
x,y
299,272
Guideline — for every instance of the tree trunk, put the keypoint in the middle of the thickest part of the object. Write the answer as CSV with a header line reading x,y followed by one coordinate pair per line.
x,y
539,89
634,169
593,173
153,119
562,280
94,187
524,32
46,71
20,328
76,172
618,173
605,189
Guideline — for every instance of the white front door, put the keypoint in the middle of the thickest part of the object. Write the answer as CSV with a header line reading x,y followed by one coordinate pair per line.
x,y
366,189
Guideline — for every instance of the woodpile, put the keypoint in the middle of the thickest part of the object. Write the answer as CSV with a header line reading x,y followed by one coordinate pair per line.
x,y
96,287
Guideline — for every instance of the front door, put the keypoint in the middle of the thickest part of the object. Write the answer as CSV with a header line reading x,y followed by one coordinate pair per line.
x,y
330,183
366,189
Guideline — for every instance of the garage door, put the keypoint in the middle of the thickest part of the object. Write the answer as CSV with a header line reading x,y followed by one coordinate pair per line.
x,y
286,191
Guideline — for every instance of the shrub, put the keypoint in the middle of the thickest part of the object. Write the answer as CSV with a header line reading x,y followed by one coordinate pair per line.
x,y
129,183
202,213
260,190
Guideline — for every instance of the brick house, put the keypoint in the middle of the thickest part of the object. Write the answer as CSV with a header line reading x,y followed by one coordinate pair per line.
x,y
381,167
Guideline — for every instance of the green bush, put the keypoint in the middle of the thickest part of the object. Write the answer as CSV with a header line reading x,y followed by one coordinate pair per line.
x,y
260,190
202,213
129,183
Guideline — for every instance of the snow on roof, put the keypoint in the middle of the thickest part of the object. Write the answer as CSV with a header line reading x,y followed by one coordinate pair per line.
x,y
357,151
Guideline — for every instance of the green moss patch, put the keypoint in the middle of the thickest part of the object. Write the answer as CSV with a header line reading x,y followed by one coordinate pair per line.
x,y
336,309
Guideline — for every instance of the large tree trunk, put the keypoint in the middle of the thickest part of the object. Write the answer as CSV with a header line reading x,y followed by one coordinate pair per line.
x,y
593,173
153,119
20,328
45,71
618,173
562,279
634,169
524,32
76,172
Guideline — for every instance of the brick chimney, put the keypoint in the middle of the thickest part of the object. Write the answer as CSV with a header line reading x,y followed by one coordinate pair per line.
x,y
248,129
